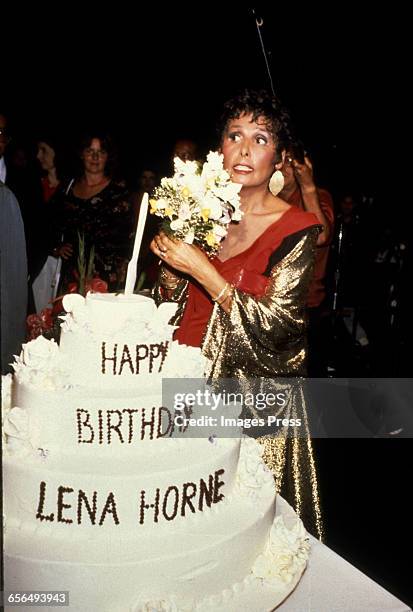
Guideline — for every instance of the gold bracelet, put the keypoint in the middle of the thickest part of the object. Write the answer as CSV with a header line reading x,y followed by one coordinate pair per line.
x,y
228,294
168,280
170,286
221,293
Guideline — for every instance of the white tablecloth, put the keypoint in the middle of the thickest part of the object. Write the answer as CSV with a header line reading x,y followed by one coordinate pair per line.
x,y
331,584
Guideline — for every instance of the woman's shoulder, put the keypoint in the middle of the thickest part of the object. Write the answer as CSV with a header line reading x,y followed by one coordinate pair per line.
x,y
296,219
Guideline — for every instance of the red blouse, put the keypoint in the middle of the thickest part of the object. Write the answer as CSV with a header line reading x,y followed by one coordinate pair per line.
x,y
246,271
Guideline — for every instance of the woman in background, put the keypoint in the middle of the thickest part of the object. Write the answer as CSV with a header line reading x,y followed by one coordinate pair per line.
x,y
95,207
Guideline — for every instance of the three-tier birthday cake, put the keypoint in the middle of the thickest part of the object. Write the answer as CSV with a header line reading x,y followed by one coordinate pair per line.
x,y
105,497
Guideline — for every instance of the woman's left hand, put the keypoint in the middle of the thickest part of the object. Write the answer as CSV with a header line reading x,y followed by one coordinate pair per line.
x,y
186,258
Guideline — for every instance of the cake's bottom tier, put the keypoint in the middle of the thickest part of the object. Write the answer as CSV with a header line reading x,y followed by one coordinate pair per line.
x,y
111,574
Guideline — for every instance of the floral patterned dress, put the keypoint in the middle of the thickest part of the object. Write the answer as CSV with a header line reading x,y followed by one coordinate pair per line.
x,y
105,222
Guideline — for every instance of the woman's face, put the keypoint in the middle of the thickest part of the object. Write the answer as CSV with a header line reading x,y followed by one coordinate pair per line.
x,y
94,157
249,151
45,155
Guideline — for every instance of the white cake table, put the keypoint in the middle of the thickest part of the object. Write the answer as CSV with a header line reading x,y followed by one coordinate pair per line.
x,y
331,584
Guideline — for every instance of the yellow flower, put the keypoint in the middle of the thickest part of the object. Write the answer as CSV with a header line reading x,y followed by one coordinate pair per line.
x,y
205,214
185,192
210,238
154,206
169,212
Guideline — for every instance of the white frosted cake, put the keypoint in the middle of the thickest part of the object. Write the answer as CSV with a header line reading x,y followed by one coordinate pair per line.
x,y
101,498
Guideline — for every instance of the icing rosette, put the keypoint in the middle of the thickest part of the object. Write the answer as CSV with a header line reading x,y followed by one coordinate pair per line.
x,y
184,362
285,555
162,605
39,364
253,474
16,431
6,385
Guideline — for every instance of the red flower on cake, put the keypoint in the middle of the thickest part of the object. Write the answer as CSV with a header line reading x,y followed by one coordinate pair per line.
x,y
96,285
36,324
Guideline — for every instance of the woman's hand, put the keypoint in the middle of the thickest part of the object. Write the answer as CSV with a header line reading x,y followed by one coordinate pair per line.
x,y
304,174
190,260
184,257
64,251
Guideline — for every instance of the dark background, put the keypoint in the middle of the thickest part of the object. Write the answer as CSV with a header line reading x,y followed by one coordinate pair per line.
x,y
151,75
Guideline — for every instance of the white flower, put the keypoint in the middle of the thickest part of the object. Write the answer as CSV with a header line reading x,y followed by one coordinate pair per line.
x,y
192,199
212,206
184,211
286,553
73,301
162,605
219,231
237,215
177,224
39,353
16,423
6,386
215,161
185,167
189,237
16,431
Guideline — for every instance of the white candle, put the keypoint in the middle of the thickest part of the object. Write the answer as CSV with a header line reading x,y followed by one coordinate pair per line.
x,y
131,274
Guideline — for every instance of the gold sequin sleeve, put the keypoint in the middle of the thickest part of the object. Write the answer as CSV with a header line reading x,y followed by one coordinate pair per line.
x,y
265,336
264,339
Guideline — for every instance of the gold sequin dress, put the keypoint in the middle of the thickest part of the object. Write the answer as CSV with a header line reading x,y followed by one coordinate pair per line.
x,y
261,341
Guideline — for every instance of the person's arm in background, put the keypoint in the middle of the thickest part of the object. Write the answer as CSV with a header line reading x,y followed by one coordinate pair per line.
x,y
314,200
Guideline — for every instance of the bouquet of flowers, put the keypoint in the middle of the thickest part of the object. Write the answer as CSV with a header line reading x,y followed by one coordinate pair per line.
x,y
198,203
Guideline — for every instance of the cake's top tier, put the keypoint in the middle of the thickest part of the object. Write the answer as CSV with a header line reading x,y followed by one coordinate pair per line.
x,y
109,342
117,313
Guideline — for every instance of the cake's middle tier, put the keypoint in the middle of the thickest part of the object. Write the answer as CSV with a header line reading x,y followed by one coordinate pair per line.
x,y
78,422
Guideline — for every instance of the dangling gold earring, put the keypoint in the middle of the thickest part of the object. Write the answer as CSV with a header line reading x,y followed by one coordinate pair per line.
x,y
276,182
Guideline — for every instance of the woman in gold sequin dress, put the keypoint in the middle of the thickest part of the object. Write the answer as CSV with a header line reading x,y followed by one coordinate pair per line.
x,y
245,307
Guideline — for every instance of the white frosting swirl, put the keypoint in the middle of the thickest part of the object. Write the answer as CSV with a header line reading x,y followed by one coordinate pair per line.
x,y
184,362
162,605
6,385
252,474
16,431
39,364
285,555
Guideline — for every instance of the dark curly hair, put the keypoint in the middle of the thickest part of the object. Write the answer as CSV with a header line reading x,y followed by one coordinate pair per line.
x,y
259,103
